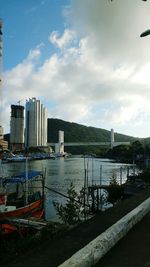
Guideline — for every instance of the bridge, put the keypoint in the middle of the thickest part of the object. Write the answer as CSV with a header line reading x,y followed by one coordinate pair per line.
x,y
91,143
59,147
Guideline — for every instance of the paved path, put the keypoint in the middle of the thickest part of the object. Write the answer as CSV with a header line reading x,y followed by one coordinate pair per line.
x,y
133,250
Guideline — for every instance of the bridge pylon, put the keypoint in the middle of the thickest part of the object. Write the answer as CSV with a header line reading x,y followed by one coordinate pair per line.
x,y
59,147
112,139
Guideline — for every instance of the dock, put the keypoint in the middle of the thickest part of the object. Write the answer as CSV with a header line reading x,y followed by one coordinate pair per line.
x,y
19,222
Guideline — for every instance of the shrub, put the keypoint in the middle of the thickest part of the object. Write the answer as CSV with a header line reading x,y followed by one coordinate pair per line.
x,y
70,212
115,190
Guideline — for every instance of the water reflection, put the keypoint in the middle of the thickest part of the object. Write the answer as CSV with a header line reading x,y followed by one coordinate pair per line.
x,y
62,171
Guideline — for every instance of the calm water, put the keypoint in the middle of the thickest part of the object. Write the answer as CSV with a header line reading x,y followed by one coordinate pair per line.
x,y
62,171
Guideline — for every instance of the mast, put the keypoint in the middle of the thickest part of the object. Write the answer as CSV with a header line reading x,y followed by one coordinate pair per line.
x,y
26,183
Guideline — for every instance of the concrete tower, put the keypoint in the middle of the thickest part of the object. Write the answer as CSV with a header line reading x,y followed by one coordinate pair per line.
x,y
59,147
35,124
17,127
112,138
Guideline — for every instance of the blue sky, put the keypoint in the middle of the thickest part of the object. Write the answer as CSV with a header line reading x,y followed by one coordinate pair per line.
x,y
28,23
83,59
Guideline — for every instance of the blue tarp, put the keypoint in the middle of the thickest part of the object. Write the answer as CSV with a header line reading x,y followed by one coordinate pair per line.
x,y
22,177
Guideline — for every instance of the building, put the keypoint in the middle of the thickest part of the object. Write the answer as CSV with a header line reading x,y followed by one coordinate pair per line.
x,y
17,127
35,124
3,144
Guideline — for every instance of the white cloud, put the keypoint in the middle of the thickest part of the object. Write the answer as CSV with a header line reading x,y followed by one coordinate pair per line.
x,y
64,40
114,28
100,79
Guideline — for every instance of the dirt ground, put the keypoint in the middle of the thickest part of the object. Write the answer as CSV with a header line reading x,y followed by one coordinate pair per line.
x,y
126,253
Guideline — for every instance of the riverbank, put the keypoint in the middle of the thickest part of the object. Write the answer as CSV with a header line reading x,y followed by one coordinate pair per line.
x,y
53,252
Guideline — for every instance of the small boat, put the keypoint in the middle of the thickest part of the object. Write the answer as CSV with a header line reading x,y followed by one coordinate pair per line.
x,y
14,158
20,225
25,202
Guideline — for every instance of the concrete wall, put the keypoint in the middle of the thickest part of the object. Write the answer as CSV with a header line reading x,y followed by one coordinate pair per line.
x,y
96,249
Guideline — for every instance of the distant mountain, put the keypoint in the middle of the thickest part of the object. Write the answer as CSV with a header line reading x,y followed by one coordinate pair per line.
x,y
74,132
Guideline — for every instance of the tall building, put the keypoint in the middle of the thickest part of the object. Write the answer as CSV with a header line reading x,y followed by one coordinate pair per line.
x,y
17,127
35,124
3,144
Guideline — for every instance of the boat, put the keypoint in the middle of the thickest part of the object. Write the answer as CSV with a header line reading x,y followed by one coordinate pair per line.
x,y
24,202
10,158
14,158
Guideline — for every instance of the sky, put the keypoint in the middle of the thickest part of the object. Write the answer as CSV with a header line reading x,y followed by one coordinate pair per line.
x,y
83,59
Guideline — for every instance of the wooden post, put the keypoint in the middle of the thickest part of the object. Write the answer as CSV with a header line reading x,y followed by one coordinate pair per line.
x,y
120,175
100,187
26,184
97,199
93,199
84,201
92,172
43,190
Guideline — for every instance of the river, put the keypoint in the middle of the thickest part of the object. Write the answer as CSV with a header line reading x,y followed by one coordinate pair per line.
x,y
62,171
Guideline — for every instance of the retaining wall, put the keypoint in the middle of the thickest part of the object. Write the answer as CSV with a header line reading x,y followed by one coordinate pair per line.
x,y
97,248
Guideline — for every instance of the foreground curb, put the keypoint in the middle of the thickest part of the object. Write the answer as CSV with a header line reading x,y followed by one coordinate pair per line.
x,y
97,248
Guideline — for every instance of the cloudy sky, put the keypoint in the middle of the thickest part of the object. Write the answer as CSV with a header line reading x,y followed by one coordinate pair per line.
x,y
83,59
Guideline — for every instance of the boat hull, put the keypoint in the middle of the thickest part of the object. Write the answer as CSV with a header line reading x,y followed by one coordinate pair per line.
x,y
22,212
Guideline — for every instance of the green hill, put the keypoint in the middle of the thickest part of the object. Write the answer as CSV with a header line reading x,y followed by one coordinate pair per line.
x,y
74,132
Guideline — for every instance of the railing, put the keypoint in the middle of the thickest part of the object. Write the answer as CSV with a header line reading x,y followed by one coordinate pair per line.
x,y
91,143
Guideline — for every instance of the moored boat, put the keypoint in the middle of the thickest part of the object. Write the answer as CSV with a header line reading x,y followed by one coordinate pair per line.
x,y
24,202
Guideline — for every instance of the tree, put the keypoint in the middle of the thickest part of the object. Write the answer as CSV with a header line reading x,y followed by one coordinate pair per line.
x,y
70,212
121,153
115,191
137,150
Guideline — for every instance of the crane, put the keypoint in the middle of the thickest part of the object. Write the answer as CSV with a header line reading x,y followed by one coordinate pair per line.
x,y
19,101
